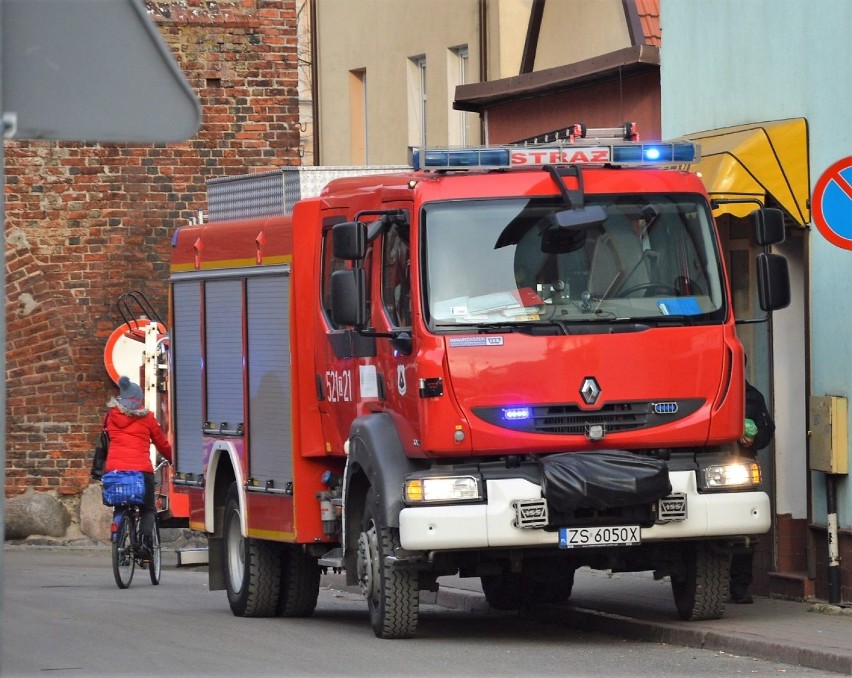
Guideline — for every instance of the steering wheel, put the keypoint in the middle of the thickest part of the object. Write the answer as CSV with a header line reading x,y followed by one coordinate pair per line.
x,y
658,286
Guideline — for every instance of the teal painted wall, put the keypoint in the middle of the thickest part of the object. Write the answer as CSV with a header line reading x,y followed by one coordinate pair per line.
x,y
728,62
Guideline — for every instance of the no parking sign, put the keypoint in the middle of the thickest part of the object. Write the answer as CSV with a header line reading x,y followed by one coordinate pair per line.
x,y
832,204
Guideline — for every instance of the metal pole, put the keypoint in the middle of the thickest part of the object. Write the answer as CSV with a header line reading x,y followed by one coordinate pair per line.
x,y
2,341
833,544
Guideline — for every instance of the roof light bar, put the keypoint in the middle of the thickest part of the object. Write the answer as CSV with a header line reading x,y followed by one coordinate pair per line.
x,y
503,157
662,153
460,158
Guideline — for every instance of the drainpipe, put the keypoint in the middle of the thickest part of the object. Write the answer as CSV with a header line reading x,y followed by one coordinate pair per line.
x,y
483,65
833,543
314,84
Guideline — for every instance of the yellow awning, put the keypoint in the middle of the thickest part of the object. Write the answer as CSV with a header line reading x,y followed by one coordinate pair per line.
x,y
749,161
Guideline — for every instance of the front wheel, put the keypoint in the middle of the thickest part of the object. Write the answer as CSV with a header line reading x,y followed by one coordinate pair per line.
x,y
512,591
392,593
123,563
252,566
156,564
700,587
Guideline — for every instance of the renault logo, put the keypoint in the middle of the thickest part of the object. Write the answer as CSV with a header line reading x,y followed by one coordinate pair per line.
x,y
590,391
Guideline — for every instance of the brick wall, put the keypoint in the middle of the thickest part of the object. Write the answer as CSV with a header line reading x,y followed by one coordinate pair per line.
x,y
88,222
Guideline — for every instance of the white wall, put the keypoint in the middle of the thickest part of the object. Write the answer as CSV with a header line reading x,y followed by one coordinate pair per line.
x,y
728,62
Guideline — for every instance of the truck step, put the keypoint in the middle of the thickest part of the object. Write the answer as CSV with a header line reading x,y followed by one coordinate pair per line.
x,y
194,556
333,558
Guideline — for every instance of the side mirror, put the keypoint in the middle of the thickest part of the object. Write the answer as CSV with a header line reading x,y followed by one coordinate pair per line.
x,y
768,224
348,297
403,343
349,240
773,281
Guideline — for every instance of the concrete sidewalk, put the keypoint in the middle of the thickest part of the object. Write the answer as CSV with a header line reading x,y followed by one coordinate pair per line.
x,y
633,605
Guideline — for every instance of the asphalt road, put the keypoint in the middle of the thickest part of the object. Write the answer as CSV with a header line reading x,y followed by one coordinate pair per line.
x,y
63,615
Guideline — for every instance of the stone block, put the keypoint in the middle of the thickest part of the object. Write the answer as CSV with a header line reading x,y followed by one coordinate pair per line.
x,y
36,513
95,518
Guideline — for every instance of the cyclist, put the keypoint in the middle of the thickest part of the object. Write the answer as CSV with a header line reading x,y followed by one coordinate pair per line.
x,y
132,428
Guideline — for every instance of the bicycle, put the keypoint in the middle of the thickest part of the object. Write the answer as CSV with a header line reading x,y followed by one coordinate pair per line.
x,y
126,537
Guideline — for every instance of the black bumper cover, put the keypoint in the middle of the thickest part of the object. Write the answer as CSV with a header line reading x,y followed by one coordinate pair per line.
x,y
602,480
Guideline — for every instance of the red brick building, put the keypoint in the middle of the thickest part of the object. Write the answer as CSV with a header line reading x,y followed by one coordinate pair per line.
x,y
88,222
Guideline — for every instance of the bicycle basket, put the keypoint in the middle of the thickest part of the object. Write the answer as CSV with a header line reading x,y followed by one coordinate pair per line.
x,y
123,487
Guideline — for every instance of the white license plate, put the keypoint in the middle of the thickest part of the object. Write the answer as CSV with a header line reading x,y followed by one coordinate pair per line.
x,y
583,537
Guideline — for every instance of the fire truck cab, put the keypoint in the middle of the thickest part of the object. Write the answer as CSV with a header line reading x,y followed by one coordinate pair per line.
x,y
507,363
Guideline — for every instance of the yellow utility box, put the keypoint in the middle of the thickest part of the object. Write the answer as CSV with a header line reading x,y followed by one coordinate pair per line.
x,y
829,451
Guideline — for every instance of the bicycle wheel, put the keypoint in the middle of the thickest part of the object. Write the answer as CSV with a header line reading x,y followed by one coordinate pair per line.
x,y
123,564
156,563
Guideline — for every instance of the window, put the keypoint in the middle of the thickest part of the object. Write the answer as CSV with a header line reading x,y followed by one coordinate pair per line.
x,y
358,117
330,264
396,276
458,74
510,261
417,102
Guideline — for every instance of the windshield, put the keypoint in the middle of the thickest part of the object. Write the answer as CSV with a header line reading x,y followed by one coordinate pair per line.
x,y
515,261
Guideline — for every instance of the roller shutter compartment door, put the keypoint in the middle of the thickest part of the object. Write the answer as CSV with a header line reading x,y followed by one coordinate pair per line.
x,y
185,339
270,419
223,302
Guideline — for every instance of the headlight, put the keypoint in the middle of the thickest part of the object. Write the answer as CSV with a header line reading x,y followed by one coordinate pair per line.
x,y
442,489
734,475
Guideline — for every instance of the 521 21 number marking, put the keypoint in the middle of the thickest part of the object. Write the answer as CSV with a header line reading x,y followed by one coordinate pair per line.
x,y
338,386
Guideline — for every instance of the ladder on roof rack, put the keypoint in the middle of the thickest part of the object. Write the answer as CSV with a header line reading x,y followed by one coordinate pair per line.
x,y
627,132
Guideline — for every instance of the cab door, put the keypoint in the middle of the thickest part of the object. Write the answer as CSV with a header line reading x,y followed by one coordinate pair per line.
x,y
339,354
393,310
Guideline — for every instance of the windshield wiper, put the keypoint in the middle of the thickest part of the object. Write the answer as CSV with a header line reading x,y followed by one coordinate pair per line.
x,y
525,327
534,327
673,320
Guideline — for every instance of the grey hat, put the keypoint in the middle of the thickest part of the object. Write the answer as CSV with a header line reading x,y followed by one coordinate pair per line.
x,y
130,395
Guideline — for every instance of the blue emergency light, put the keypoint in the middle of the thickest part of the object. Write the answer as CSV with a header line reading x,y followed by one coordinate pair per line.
x,y
460,158
517,413
683,152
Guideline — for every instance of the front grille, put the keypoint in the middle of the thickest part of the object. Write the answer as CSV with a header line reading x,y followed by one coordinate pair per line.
x,y
570,419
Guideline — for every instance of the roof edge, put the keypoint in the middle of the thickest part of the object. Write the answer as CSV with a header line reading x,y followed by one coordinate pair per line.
x,y
476,97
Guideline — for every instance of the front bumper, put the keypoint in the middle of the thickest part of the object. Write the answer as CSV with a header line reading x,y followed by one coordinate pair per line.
x,y
493,524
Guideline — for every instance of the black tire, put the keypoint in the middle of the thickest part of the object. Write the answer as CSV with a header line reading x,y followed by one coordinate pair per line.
x,y
503,591
252,566
300,582
156,565
701,589
123,563
392,593
512,591
557,590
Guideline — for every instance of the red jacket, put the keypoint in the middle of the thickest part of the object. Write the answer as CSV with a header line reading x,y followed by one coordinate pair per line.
x,y
130,438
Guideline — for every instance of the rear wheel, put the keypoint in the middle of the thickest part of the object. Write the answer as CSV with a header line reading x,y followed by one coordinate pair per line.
x,y
252,566
503,591
123,564
700,589
300,582
156,564
513,590
392,593
556,591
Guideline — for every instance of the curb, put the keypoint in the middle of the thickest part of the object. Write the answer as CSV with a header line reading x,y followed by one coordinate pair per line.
x,y
748,645
685,635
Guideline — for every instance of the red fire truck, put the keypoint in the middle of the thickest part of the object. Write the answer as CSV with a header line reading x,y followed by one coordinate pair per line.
x,y
505,363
